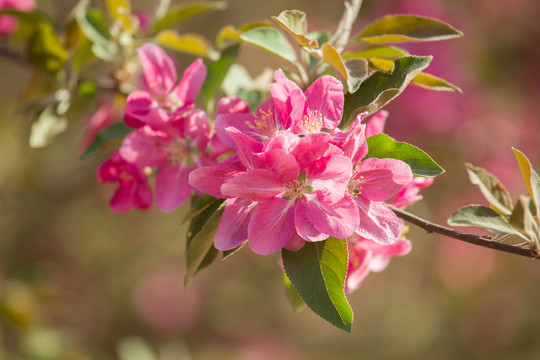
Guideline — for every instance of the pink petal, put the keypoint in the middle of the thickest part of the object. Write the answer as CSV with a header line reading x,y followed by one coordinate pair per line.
x,y
353,142
247,148
122,199
325,95
144,147
380,179
399,248
281,163
172,187
289,101
339,220
272,226
358,269
312,147
331,175
208,180
285,141
238,121
304,227
142,196
197,128
376,123
191,82
158,68
256,185
232,105
233,228
377,222
138,106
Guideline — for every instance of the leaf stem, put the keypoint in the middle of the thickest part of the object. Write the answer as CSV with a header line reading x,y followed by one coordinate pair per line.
x,y
485,240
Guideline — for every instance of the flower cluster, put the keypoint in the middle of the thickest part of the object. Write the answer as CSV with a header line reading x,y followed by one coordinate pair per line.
x,y
296,177
171,137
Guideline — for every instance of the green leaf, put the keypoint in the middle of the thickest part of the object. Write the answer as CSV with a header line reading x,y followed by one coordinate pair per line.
x,y
357,72
217,71
271,40
383,146
492,189
94,27
332,57
318,273
379,88
433,82
107,137
532,181
482,217
237,80
186,10
200,251
523,219
294,298
377,52
295,23
405,28
253,97
45,50
48,125
202,203
193,44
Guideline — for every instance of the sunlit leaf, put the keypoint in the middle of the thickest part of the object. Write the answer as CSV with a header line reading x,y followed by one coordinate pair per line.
x,y
531,178
217,71
357,72
377,52
120,10
237,79
294,298
383,146
379,88
405,28
200,250
331,56
186,10
194,44
271,40
111,135
318,272
295,23
523,219
45,50
47,127
492,189
482,217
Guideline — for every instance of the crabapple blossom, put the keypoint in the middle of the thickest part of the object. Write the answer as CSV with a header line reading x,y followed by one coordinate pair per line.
x,y
9,23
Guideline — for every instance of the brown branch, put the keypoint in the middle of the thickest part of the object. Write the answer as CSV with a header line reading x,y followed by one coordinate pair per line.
x,y
485,240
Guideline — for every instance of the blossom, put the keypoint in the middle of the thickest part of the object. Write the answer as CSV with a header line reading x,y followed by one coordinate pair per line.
x,y
9,23
163,99
292,187
409,193
133,189
366,255
103,117
176,150
288,109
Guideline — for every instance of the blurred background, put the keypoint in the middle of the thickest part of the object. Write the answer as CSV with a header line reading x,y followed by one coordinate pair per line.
x,y
80,282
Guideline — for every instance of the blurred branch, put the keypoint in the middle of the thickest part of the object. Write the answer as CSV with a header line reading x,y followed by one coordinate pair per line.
x,y
341,36
485,240
9,54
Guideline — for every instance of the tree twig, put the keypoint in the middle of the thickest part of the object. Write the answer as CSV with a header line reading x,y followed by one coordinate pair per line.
x,y
485,240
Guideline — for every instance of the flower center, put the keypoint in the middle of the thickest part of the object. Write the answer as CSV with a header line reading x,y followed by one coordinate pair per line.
x,y
296,189
312,121
264,123
354,188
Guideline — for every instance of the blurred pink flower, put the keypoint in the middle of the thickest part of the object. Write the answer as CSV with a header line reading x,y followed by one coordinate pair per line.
x,y
103,117
163,100
133,189
9,23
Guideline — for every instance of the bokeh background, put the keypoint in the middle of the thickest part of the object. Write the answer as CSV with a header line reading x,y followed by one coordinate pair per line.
x,y
80,282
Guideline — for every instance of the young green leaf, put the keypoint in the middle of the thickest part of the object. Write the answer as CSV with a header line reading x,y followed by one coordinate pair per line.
x,y
217,71
383,146
405,28
295,23
482,217
103,140
186,10
318,273
294,298
271,40
433,82
45,50
492,189
47,127
357,72
379,88
377,52
202,203
200,251
531,178
193,44
523,219
332,57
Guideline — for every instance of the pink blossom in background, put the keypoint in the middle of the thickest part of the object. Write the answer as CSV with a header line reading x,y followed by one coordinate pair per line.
x,y
366,256
288,109
410,192
133,189
176,151
9,23
103,117
163,99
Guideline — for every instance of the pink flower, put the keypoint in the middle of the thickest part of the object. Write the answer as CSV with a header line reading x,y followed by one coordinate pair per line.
x,y
366,255
9,23
133,189
103,117
163,100
288,109
176,151
372,182
292,187
409,193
